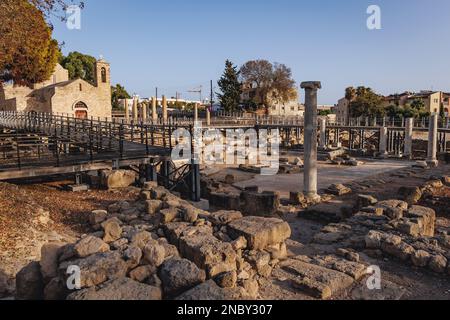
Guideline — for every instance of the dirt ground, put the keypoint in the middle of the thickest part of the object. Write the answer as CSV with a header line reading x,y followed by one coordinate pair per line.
x,y
31,215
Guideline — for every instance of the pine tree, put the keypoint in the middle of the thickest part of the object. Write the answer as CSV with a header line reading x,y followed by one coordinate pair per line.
x,y
230,88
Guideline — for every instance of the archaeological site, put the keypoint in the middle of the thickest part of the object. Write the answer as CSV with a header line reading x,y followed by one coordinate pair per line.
x,y
133,177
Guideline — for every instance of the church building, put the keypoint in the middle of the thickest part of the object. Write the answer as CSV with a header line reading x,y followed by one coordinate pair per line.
x,y
58,94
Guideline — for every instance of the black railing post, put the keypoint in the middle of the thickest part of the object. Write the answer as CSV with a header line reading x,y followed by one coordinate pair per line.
x,y
19,164
121,138
56,147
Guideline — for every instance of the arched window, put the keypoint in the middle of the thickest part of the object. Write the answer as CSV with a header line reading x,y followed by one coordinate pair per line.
x,y
103,75
80,105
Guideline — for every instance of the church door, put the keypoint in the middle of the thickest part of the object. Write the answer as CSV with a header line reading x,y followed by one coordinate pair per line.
x,y
81,110
81,114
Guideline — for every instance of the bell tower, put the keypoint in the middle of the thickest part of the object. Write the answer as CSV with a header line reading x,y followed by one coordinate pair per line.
x,y
102,74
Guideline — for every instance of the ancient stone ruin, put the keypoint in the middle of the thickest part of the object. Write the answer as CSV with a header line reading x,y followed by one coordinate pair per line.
x,y
160,247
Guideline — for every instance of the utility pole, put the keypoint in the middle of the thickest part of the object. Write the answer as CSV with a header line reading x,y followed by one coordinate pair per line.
x,y
211,109
156,89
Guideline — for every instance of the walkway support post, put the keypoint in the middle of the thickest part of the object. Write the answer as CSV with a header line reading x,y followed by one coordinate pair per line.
x,y
144,111
127,111
323,133
196,113
164,107
310,175
154,111
433,141
135,109
208,117
383,142
409,126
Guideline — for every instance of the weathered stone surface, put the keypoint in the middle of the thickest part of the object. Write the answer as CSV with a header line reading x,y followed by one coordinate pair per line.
x,y
132,256
140,274
353,269
374,239
420,258
348,254
426,219
49,259
277,251
259,260
333,211
5,284
338,189
209,291
97,216
228,201
411,195
153,206
239,244
90,245
394,246
98,268
260,204
364,201
120,244
174,230
224,217
154,253
180,275
150,185
315,280
438,263
168,215
226,279
208,253
159,193
260,232
446,180
140,239
189,214
119,289
433,185
373,210
56,290
29,283
229,179
112,229
296,198
117,179
394,209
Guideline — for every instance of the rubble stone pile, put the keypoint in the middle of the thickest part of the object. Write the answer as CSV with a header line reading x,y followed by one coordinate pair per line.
x,y
393,228
160,247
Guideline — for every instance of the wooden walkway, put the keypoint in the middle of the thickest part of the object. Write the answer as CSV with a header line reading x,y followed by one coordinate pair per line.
x,y
43,144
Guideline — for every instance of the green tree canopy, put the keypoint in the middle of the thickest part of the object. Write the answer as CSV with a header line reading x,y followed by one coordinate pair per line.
x,y
367,104
80,66
268,82
28,54
418,104
118,92
230,87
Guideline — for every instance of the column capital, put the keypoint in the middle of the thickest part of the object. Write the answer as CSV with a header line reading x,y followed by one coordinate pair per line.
x,y
313,85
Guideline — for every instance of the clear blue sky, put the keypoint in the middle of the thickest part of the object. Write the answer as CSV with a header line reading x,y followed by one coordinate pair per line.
x,y
180,44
